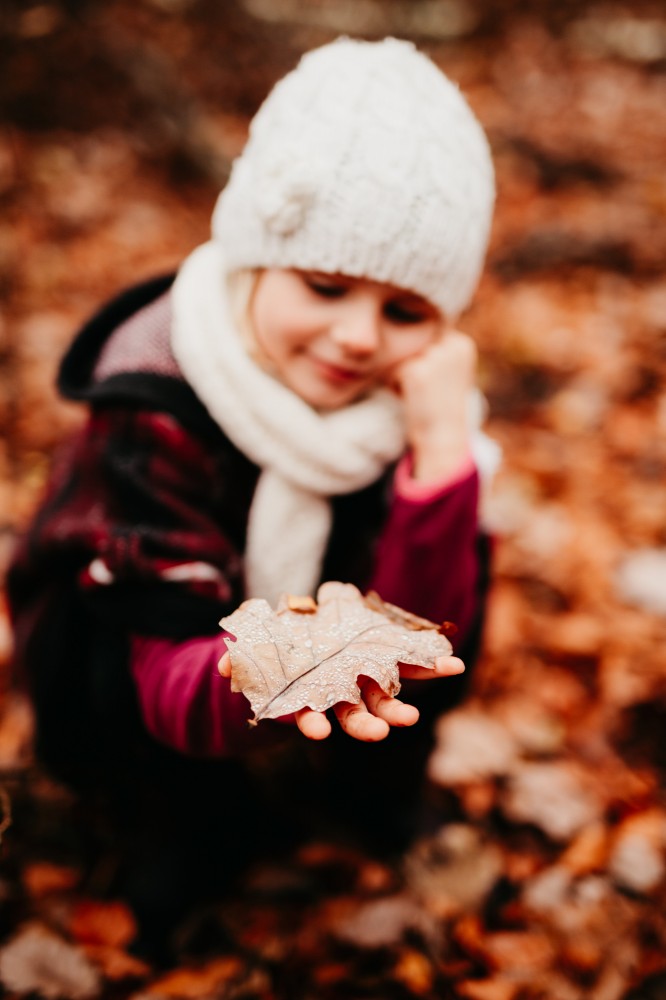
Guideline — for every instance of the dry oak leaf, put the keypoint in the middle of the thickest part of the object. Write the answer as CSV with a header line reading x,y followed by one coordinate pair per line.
x,y
287,659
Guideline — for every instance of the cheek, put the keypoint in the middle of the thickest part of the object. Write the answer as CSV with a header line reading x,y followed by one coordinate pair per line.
x,y
281,323
410,345
267,327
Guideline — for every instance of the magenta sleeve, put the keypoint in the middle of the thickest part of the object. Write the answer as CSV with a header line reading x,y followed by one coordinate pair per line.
x,y
427,556
186,704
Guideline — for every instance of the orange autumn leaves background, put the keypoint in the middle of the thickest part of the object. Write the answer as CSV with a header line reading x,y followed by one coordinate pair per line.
x,y
118,124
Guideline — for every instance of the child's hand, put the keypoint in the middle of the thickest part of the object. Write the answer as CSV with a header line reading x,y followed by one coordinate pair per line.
x,y
435,388
370,720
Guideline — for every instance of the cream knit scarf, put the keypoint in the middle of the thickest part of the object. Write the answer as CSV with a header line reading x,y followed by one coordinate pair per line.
x,y
305,456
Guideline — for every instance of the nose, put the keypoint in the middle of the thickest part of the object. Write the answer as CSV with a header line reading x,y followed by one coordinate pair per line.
x,y
357,330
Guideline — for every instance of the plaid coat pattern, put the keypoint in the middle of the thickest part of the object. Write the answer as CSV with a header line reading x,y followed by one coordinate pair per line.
x,y
141,531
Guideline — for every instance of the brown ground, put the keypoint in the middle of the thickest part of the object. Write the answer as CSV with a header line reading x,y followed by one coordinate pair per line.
x,y
117,123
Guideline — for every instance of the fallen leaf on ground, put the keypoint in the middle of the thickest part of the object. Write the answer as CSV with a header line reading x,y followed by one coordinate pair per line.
x,y
470,745
519,951
638,855
488,989
383,922
114,963
41,878
284,660
16,732
555,796
415,971
192,984
107,923
453,871
37,961
588,852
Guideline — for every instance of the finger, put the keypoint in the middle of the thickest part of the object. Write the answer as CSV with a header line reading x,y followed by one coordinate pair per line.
x,y
449,666
391,710
312,724
357,721
445,666
224,666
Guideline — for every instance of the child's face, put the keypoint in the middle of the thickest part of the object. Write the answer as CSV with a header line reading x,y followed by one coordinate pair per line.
x,y
332,338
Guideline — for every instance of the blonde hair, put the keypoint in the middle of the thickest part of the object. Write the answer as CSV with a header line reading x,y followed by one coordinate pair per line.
x,y
241,286
240,289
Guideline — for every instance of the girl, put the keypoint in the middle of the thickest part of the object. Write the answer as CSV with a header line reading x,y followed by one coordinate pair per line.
x,y
295,406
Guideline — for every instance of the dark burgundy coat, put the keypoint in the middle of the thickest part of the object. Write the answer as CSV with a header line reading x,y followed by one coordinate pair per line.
x,y
151,482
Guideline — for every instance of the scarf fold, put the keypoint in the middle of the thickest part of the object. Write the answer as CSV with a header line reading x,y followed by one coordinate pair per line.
x,y
305,456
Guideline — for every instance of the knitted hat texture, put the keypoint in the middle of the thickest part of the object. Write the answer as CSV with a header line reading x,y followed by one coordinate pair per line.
x,y
365,160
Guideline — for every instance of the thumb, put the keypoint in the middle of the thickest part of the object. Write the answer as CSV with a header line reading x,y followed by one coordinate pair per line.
x,y
224,666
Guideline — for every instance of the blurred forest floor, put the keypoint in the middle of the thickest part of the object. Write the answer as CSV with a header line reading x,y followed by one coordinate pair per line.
x,y
117,124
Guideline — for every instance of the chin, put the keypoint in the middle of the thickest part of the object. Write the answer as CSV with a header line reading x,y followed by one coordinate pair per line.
x,y
324,397
335,401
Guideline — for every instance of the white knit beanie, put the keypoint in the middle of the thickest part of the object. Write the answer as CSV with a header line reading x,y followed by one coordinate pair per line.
x,y
365,160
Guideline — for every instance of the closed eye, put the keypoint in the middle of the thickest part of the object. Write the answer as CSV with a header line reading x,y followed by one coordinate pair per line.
x,y
325,286
405,315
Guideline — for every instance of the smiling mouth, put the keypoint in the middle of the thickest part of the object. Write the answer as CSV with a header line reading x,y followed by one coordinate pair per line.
x,y
338,373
